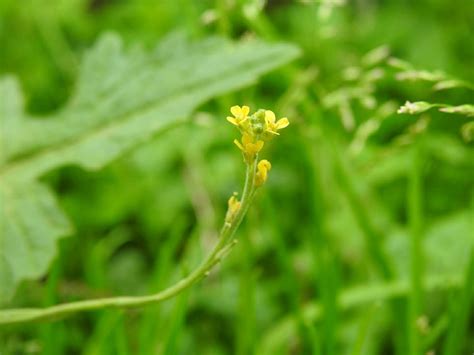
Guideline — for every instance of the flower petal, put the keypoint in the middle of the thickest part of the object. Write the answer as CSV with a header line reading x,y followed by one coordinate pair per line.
x,y
252,149
236,111
243,120
232,120
245,111
237,143
246,139
272,132
282,123
269,117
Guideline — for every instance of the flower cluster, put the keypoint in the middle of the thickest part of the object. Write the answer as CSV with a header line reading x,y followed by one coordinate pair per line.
x,y
256,129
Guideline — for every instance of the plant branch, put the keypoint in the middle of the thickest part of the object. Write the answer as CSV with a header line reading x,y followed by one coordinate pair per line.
x,y
219,251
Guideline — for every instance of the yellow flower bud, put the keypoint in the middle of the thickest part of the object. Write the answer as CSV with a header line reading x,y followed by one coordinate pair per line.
x,y
263,167
233,207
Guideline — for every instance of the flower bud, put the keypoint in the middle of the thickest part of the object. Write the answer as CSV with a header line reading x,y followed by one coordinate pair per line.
x,y
263,167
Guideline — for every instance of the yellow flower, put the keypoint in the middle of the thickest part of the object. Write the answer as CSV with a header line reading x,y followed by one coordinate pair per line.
x,y
263,167
272,126
240,115
248,147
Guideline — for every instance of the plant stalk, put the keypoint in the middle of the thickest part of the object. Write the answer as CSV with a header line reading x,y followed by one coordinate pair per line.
x,y
219,251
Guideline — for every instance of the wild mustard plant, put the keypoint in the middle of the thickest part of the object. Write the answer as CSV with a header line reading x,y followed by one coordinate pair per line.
x,y
256,129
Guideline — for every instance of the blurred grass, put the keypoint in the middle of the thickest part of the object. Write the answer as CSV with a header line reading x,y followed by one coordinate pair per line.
x,y
328,221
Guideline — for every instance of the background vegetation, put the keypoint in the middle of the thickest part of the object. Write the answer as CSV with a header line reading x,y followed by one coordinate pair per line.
x,y
360,242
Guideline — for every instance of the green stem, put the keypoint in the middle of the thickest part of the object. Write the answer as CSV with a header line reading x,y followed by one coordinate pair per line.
x,y
220,250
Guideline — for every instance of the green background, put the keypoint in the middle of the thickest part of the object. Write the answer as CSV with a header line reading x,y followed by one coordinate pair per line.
x,y
336,245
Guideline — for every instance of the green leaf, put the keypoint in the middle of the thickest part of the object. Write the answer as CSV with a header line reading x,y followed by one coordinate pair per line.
x,y
31,224
123,98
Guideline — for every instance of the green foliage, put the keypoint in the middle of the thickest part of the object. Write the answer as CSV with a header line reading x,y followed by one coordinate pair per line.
x,y
360,242
122,99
